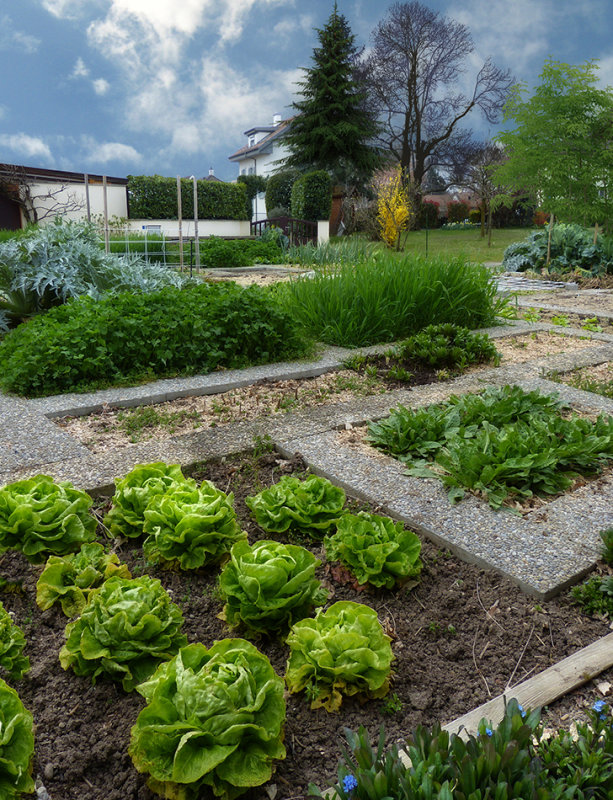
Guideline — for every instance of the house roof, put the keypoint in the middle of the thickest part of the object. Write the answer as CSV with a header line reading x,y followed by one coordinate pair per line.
x,y
55,175
264,145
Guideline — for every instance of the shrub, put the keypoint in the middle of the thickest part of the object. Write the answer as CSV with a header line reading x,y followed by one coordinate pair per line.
x,y
457,212
269,586
214,718
428,214
70,579
474,216
16,745
279,189
127,628
447,345
359,215
312,196
220,253
190,527
376,549
572,248
386,298
48,265
342,651
254,184
40,517
134,491
155,197
88,344
12,643
393,206
311,506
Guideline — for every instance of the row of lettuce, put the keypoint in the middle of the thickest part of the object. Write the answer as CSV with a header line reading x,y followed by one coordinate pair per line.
x,y
214,717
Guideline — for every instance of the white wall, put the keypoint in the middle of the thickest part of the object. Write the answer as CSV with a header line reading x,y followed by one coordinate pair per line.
x,y
206,227
264,164
73,195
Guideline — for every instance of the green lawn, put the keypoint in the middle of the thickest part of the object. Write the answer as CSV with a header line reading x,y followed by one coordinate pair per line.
x,y
464,241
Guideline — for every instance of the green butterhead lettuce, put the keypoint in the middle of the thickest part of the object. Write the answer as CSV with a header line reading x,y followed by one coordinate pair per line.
x,y
12,643
70,579
190,526
127,627
341,651
133,493
269,585
39,517
16,745
376,549
214,718
311,506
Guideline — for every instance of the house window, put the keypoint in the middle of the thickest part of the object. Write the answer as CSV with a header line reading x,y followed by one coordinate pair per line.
x,y
252,140
251,170
243,171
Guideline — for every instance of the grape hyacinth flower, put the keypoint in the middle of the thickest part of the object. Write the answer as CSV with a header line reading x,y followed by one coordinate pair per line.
x,y
349,784
600,708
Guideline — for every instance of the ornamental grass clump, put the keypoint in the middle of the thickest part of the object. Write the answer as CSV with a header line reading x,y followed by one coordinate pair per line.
x,y
343,651
134,491
375,549
16,745
214,719
126,629
68,580
40,517
269,586
12,643
190,526
311,506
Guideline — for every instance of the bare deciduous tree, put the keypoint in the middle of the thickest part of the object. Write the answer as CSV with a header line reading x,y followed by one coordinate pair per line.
x,y
479,176
412,73
36,202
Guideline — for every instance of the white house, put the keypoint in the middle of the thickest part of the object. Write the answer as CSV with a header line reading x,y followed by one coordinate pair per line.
x,y
261,154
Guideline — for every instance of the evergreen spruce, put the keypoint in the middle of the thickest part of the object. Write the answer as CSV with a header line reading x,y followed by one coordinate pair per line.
x,y
332,127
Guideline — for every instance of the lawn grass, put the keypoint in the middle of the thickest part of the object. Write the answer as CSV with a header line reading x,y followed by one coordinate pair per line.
x,y
467,242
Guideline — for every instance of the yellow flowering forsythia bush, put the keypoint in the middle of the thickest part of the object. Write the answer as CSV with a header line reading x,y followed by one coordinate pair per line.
x,y
393,206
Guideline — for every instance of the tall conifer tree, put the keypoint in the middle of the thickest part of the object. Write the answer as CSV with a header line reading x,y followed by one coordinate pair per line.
x,y
332,127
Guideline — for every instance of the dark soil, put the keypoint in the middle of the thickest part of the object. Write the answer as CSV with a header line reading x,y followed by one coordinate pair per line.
x,y
459,638
416,372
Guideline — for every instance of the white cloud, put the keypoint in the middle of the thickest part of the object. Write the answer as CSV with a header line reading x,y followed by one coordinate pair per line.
x,y
285,29
103,152
65,8
605,71
11,39
25,145
101,86
79,69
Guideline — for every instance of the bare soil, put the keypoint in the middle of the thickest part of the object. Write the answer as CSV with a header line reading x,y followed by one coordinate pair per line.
x,y
112,427
459,638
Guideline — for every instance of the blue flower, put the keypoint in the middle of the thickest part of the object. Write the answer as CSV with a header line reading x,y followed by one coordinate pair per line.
x,y
489,731
521,710
349,784
599,707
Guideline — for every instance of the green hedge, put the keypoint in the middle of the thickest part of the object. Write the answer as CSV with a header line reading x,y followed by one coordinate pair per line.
x,y
254,184
155,197
216,252
312,196
89,344
279,189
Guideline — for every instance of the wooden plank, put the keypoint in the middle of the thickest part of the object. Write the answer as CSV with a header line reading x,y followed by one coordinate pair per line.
x,y
544,688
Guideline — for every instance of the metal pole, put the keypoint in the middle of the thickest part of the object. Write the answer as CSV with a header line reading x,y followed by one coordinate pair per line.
x,y
180,217
196,240
106,216
89,212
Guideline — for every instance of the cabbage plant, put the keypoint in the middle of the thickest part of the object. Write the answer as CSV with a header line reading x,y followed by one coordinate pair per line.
x,y
12,642
214,718
16,745
376,549
311,506
190,525
39,517
70,579
126,628
269,585
133,493
342,651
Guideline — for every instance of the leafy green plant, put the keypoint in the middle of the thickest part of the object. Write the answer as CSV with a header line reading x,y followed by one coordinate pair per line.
x,y
572,247
312,196
40,517
342,651
190,526
532,315
503,443
16,745
127,628
311,506
448,345
134,491
607,542
12,643
214,718
591,324
392,705
561,320
376,549
68,580
88,344
269,586
221,253
595,596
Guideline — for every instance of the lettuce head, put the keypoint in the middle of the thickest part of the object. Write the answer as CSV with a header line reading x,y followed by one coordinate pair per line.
x,y
16,745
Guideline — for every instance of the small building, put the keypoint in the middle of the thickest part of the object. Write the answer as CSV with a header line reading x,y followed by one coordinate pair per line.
x,y
33,194
261,156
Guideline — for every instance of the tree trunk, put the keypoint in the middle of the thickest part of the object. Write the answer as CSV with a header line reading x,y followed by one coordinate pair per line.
x,y
549,240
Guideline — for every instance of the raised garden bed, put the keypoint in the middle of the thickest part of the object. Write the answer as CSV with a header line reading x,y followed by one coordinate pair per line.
x,y
461,636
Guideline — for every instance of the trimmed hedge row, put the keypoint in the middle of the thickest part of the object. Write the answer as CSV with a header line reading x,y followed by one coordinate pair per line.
x,y
155,197
217,252
312,196
88,344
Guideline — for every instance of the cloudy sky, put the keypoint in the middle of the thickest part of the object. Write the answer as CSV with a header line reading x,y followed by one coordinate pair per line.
x,y
169,86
